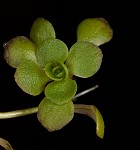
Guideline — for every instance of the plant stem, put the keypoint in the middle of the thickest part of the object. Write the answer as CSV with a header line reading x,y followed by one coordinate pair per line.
x,y
18,113
28,111
86,91
5,144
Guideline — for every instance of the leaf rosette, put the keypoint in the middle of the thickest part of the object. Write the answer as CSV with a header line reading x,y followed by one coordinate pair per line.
x,y
44,63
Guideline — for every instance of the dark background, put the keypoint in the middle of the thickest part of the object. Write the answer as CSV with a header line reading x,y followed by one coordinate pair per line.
x,y
111,98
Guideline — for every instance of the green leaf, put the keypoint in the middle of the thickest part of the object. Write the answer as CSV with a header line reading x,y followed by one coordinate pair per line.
x,y
84,59
60,92
94,113
41,30
56,71
54,117
95,30
52,50
31,78
19,49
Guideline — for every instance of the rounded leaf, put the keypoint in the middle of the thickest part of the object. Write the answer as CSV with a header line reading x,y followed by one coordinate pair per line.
x,y
31,78
54,117
41,30
60,92
18,49
56,71
84,59
95,30
52,50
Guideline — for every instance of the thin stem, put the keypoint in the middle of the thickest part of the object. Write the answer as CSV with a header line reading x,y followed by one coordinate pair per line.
x,y
18,113
28,111
86,91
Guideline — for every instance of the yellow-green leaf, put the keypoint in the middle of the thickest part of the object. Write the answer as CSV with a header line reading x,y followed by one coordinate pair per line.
x,y
41,30
60,92
54,117
84,59
31,78
95,30
18,49
56,71
53,50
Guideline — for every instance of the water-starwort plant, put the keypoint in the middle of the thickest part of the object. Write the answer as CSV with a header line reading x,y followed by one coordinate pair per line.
x,y
43,63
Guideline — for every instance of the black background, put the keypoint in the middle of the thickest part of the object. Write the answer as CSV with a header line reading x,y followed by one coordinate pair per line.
x,y
111,98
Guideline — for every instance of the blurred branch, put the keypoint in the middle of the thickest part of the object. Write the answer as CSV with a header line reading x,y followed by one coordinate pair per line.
x,y
5,144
